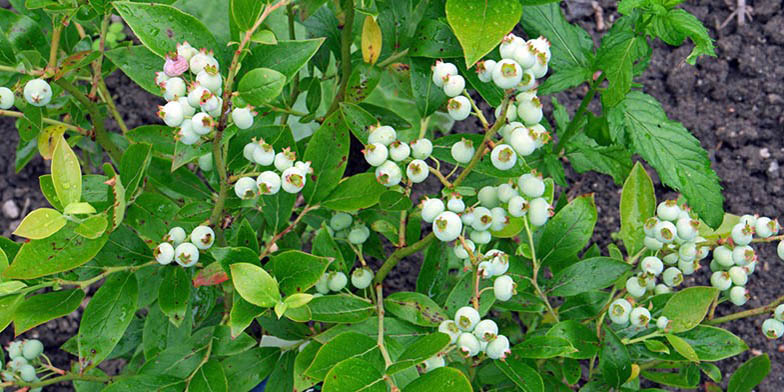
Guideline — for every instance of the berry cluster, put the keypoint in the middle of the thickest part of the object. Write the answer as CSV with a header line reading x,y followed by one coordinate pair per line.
x,y
384,151
37,92
24,356
340,226
176,248
293,173
773,328
203,93
622,312
473,336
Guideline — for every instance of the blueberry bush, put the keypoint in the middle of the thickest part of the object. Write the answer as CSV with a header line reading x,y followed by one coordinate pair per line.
x,y
227,245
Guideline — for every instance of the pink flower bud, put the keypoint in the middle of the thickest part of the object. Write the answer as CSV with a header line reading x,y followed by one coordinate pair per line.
x,y
175,65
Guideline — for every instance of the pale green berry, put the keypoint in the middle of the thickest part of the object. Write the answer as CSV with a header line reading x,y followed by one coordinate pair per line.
x,y
499,219
447,226
486,330
665,231
780,249
634,287
639,316
389,174
450,328
688,251
454,85
739,295
530,111
539,211
652,265
340,221
483,218
498,348
186,254
619,311
466,318
432,363
27,373
721,280
766,227
202,124
481,237
37,92
6,98
164,253
269,182
459,108
484,70
358,234
284,159
417,171
361,278
687,228
687,267
778,313
322,285
723,255
652,243
376,154
246,188
431,208
488,196
14,349
337,281
531,185
670,259
455,203
522,140
468,344
441,71
662,322
203,237
384,135
743,255
399,151
672,277
738,276
518,206
460,250
421,148
205,162
772,328
294,179
748,220
661,288
485,269
499,261
17,363
463,151
668,210
649,226
507,73
509,45
742,234
503,157
504,288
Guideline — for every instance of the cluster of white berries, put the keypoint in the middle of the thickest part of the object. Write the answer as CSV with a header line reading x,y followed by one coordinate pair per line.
x,y
203,93
37,92
292,177
186,253
385,152
773,328
473,335
336,281
622,312
343,227
23,355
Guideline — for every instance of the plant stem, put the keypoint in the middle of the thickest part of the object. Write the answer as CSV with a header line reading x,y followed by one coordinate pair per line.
x,y
66,377
536,266
571,129
399,254
106,272
70,127
268,247
380,311
203,361
294,94
97,64
478,113
107,98
101,136
57,29
746,313
440,177
642,338
482,149
346,38
392,58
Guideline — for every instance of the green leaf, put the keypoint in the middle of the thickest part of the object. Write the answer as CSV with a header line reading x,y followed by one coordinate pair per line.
x,y
287,57
149,214
92,227
434,39
567,233
682,347
160,137
255,285
40,224
578,335
434,270
134,164
526,378
674,26
209,378
41,308
327,150
160,27
428,96
586,275
354,375
712,343
261,85
656,346
245,12
750,374
79,208
180,358
8,306
621,48
248,369
363,80
106,317
441,379
344,346
66,173
463,290
415,308
146,382
227,345
687,377
7,55
614,360
417,352
22,32
688,307
638,203
242,314
354,193
297,271
542,347
277,209
340,309
394,201
571,46
676,155
63,251
481,24
174,294
138,63
585,154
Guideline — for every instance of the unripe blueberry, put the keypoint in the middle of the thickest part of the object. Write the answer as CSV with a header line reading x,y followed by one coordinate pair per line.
x,y
186,254
721,280
780,250
441,71
37,92
484,70
211,104
455,203
499,219
652,244
200,60
739,295
466,318
486,330
634,287
527,82
668,210
171,114
498,260
772,328
688,251
778,313
503,157
540,68
32,348
738,276
203,237
194,95
454,85
498,348
687,228
337,281
542,137
522,141
361,278
671,258
649,226
27,373
463,151
417,171
263,154
185,50
421,148
530,111
468,216
460,250
160,77
507,73
6,98
245,188
399,151
639,316
358,234
619,311
542,46
210,79
509,44
661,288
506,192
322,287
488,196
662,322
285,159
652,265
766,227
506,130
723,256
742,234
538,211
531,185
17,363
185,134
304,167
242,117
340,221
743,255
748,220
176,235
14,349
483,218
450,328
268,182
504,288
468,344
205,162
447,226
163,253
293,180
481,237
173,88
431,208
518,206
511,113
459,108
687,267
7,376
525,55
665,231
202,124
750,267
432,363
375,154
389,174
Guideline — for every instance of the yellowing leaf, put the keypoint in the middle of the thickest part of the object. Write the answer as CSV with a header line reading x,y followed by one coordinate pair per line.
x,y
48,138
40,224
66,173
371,40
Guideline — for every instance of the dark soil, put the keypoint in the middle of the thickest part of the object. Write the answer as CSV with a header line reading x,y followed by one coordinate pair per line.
x,y
733,103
